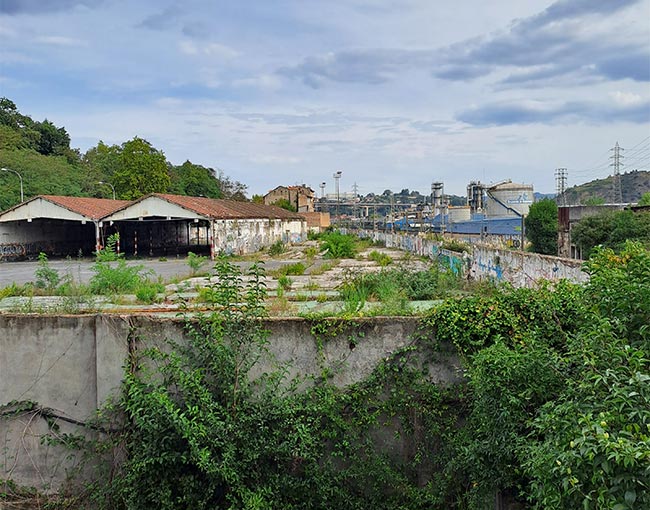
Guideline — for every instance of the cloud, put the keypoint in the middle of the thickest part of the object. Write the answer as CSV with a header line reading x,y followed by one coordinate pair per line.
x,y
626,98
536,112
274,160
560,42
570,9
43,6
57,40
162,20
357,66
209,49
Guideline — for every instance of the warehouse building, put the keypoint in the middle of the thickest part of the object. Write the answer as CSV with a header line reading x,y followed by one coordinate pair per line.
x,y
154,225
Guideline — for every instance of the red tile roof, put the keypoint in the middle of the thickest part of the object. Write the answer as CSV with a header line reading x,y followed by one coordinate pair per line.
x,y
93,208
227,209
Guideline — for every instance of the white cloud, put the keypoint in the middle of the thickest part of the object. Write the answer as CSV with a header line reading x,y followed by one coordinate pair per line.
x,y
274,160
209,49
59,40
625,98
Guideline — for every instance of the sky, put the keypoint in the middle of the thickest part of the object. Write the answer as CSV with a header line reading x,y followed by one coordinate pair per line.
x,y
393,93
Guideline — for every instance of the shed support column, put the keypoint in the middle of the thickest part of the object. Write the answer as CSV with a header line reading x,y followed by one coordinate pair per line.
x,y
98,238
213,247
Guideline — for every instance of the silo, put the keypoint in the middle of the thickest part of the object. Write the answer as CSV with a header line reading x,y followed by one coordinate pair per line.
x,y
509,199
460,213
436,193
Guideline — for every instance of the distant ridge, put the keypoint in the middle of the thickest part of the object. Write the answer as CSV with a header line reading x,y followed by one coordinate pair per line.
x,y
633,185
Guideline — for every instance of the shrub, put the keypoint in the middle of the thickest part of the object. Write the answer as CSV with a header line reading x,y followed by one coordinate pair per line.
x,y
277,248
195,262
339,246
47,278
116,277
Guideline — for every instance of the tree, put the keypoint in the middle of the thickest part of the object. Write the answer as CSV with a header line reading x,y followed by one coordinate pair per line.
x,y
257,199
595,201
285,204
611,229
52,140
541,227
645,199
143,169
103,160
232,190
195,180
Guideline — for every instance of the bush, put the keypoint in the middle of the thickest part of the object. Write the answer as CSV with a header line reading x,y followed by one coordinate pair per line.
x,y
116,277
47,278
277,248
339,246
195,262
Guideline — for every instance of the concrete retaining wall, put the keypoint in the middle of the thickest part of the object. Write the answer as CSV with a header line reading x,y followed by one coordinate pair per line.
x,y
71,365
520,268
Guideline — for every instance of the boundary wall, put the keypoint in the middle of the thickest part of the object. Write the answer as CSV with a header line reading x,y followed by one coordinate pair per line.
x,y
69,366
520,268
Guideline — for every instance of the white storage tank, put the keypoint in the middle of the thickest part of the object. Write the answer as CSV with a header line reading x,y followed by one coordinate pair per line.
x,y
509,199
460,213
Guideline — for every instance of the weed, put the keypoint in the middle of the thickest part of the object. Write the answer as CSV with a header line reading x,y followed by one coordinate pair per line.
x,y
47,278
382,259
312,285
323,268
195,262
310,252
277,248
284,282
147,292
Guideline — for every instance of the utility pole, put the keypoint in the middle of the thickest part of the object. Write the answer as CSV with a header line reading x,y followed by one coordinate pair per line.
x,y
560,185
617,192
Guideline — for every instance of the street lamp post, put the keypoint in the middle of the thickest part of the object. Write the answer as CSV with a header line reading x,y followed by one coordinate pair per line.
x,y
108,184
337,178
22,195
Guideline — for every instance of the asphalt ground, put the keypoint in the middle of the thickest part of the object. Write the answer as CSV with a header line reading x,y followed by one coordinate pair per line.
x,y
80,270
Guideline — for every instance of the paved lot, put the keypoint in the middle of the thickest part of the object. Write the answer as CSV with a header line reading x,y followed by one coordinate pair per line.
x,y
81,270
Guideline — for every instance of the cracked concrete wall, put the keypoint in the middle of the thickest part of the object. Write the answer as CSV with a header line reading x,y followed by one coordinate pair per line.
x,y
71,365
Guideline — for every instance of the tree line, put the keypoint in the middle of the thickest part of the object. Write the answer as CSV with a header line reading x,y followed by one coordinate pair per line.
x,y
41,153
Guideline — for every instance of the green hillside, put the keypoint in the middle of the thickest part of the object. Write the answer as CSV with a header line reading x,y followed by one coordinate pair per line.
x,y
40,152
633,185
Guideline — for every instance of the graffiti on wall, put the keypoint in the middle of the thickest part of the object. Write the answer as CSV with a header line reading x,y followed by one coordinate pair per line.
x,y
522,269
12,251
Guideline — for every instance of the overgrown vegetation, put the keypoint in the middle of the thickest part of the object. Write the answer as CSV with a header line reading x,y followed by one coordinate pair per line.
x,y
611,229
339,246
554,412
195,262
559,413
395,288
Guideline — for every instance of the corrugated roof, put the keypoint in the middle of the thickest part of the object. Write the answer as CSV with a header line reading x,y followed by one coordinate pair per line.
x,y
93,208
227,209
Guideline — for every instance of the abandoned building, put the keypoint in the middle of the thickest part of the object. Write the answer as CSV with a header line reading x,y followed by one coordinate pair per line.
x,y
154,225
301,197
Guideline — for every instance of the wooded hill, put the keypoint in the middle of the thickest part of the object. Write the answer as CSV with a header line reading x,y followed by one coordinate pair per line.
x,y
40,152
633,185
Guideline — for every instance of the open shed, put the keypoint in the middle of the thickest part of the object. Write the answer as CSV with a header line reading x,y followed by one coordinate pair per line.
x,y
56,225
157,224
